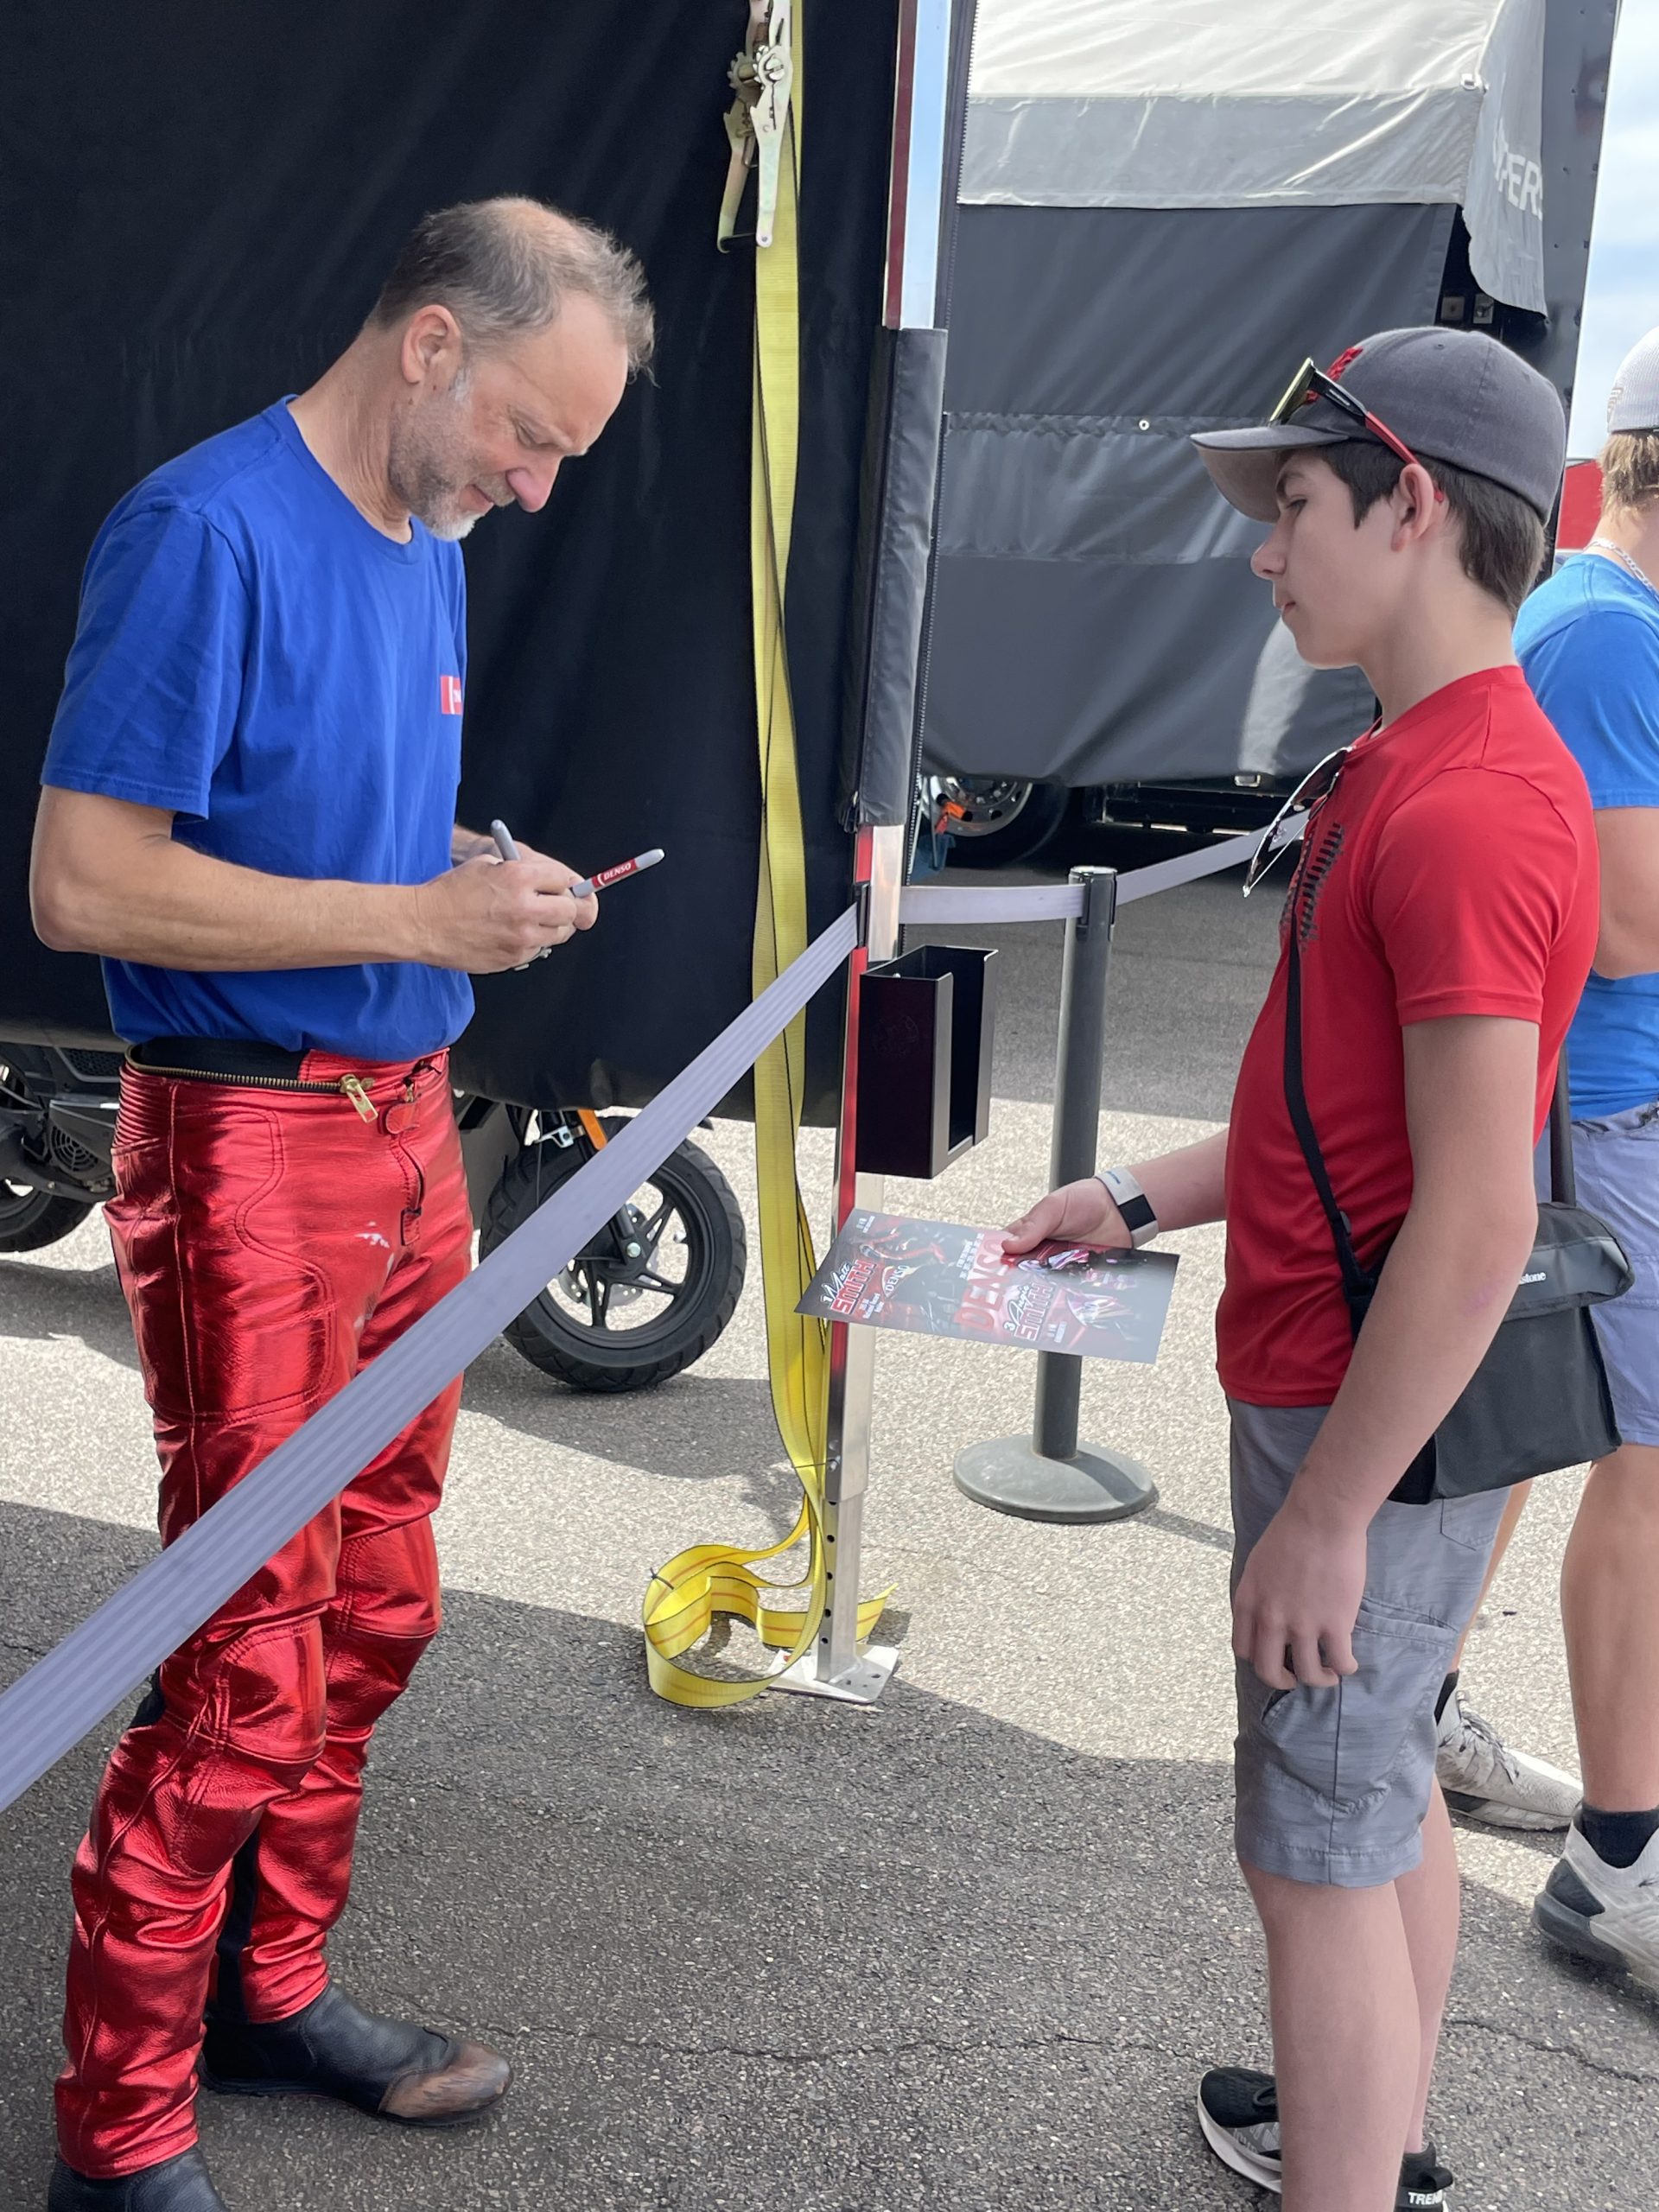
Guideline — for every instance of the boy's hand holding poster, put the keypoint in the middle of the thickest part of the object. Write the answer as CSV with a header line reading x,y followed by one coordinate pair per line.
x,y
940,1278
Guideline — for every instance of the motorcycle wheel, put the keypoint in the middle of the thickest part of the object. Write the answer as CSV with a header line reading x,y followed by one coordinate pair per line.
x,y
616,1322
30,1219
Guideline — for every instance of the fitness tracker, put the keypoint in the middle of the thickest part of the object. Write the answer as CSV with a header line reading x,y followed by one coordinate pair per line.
x,y
1132,1202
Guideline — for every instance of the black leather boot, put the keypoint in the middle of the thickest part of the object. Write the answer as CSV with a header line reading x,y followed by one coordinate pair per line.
x,y
177,2185
389,2068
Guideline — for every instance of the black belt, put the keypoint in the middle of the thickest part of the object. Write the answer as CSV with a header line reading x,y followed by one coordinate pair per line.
x,y
221,1056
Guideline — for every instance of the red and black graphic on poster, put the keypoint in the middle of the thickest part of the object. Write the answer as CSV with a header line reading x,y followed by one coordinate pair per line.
x,y
942,1279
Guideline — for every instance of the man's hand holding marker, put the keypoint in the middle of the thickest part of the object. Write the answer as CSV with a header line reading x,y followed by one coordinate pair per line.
x,y
582,891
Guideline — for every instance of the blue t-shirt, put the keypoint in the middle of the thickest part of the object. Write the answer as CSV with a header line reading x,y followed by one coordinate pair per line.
x,y
254,656
1588,640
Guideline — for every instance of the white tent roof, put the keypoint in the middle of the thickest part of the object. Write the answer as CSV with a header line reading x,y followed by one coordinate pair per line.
x,y
1269,103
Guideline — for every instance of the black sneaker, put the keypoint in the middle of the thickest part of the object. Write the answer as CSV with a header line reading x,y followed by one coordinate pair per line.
x,y
1238,2110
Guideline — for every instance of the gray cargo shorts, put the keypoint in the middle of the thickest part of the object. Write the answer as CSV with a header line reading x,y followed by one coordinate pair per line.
x,y
1332,1785
1616,1163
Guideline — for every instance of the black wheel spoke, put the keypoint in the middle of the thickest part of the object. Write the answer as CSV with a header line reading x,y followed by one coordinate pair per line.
x,y
599,1300
649,1233
648,1282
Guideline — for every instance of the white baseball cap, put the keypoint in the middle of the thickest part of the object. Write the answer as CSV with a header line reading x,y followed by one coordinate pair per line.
x,y
1633,403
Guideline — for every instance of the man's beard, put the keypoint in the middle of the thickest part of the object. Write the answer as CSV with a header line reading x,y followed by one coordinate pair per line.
x,y
450,525
427,472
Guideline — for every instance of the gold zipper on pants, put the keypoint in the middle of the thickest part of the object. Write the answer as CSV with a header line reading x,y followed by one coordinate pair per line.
x,y
347,1086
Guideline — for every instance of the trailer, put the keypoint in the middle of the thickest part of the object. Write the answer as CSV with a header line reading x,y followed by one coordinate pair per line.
x,y
1165,208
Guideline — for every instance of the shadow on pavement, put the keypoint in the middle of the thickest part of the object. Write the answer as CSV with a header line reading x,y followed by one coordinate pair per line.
x,y
694,1428
790,1955
39,1301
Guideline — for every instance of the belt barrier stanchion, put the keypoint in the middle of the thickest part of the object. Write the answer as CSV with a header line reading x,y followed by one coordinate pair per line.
x,y
1049,1476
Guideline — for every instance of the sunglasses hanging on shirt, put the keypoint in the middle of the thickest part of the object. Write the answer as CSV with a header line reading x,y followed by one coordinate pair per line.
x,y
1288,826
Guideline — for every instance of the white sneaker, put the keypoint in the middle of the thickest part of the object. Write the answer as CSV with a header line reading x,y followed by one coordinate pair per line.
x,y
1608,1914
1485,1781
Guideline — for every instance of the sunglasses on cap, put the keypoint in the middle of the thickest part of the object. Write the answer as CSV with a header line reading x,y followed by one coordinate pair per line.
x,y
1310,383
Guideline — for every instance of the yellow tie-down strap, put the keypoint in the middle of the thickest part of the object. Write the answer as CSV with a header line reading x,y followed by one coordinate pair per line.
x,y
711,1579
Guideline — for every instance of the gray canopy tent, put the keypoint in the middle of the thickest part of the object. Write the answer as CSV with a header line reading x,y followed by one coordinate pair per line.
x,y
1165,205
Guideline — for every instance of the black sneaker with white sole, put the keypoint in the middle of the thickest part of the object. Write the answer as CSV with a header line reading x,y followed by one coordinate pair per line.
x,y
1238,2110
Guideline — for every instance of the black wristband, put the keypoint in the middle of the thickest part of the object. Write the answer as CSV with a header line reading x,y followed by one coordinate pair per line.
x,y
1132,1203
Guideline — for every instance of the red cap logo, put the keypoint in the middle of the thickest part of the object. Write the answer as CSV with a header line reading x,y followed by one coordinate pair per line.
x,y
1342,361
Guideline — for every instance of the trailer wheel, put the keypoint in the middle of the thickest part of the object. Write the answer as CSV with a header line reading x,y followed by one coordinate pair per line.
x,y
1005,820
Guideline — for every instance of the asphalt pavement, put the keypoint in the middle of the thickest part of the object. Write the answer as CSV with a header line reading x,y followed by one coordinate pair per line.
x,y
973,1945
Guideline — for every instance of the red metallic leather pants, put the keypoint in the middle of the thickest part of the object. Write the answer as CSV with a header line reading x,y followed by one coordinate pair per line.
x,y
270,1242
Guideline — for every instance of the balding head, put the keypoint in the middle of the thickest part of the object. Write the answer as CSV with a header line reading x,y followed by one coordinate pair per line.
x,y
506,268
499,348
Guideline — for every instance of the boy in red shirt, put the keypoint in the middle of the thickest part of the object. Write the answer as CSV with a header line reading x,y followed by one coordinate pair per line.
x,y
1445,902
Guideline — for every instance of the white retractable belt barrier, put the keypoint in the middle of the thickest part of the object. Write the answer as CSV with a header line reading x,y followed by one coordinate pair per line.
x,y
928,902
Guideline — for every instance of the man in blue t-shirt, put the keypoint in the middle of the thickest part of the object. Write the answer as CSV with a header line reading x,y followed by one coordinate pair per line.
x,y
249,812
1588,640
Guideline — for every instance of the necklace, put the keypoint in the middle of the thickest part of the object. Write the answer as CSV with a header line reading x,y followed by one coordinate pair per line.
x,y
1607,545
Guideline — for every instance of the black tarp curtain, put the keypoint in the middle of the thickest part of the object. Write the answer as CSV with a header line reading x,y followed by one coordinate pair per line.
x,y
200,202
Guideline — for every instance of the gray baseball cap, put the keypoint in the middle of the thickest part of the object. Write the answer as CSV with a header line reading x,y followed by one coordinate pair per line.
x,y
1450,395
1633,403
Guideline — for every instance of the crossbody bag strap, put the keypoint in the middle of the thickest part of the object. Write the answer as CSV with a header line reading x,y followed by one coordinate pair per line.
x,y
1563,1184
1357,1285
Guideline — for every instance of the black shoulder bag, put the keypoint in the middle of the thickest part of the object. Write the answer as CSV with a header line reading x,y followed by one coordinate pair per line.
x,y
1539,1399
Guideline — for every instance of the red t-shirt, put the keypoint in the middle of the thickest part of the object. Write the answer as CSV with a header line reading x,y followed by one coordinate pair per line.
x,y
1452,870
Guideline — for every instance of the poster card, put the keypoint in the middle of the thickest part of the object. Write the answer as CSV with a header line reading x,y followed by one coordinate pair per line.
x,y
941,1279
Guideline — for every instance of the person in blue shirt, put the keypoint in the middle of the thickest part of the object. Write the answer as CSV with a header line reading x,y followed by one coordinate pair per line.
x,y
249,811
1588,640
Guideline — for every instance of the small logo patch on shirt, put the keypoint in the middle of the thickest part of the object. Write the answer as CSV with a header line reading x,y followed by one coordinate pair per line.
x,y
448,695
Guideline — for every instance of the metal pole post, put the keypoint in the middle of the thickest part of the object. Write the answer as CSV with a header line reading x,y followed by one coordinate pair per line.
x,y
1049,1476
836,1668
917,197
